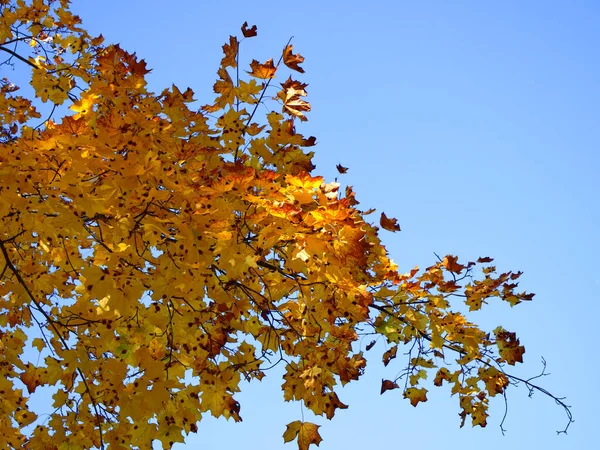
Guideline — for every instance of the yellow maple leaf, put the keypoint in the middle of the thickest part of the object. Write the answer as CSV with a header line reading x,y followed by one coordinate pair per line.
x,y
306,432
416,395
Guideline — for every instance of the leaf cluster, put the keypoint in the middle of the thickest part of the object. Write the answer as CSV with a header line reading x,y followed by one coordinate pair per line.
x,y
145,244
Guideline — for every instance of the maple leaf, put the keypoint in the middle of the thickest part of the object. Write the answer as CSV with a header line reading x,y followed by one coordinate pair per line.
x,y
254,129
416,395
341,169
231,51
248,32
32,378
73,125
264,71
294,84
291,94
291,60
451,263
224,87
442,375
389,223
306,432
508,346
387,385
389,355
311,141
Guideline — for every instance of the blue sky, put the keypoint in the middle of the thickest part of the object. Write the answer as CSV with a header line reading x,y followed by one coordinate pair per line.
x,y
477,125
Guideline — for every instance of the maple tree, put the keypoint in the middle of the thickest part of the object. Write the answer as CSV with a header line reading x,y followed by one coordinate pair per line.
x,y
146,243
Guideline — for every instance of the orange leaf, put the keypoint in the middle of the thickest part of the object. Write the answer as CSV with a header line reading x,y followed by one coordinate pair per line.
x,y
73,126
31,378
389,224
451,264
231,52
263,71
291,60
223,87
249,32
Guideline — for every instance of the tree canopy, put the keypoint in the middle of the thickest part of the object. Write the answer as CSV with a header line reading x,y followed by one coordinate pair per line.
x,y
154,255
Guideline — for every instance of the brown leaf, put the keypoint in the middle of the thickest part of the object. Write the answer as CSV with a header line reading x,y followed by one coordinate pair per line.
x,y
14,319
332,403
516,275
234,408
136,67
387,385
485,259
249,32
389,224
351,197
231,52
341,169
509,346
263,71
291,60
311,141
297,85
370,345
389,355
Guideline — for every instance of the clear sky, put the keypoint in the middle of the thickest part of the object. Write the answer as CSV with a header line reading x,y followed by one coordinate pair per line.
x,y
477,125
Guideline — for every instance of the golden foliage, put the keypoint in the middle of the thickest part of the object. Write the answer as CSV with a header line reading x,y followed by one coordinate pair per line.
x,y
143,242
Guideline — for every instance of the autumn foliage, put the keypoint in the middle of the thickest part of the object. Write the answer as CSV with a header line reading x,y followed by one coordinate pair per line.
x,y
145,243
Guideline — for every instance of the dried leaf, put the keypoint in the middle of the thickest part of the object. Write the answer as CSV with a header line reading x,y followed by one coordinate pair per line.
x,y
231,51
263,71
248,32
389,223
387,385
341,169
291,60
